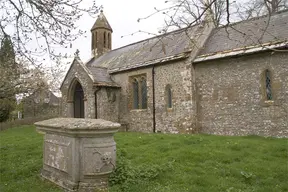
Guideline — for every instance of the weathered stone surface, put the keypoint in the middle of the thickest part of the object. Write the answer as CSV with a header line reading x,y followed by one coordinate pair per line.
x,y
77,73
176,120
231,97
79,154
108,104
77,124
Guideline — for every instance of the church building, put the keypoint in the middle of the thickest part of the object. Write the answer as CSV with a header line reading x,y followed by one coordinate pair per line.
x,y
230,80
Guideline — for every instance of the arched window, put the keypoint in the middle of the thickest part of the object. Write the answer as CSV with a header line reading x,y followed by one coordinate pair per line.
x,y
143,93
104,39
93,42
78,100
268,85
168,96
96,39
109,40
135,88
139,91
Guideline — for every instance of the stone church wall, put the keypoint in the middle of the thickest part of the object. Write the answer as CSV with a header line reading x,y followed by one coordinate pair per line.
x,y
232,95
136,119
76,71
108,104
177,119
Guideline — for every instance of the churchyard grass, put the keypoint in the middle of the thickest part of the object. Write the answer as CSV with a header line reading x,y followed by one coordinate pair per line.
x,y
160,162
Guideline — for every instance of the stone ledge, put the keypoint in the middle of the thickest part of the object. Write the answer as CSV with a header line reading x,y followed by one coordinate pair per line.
x,y
77,126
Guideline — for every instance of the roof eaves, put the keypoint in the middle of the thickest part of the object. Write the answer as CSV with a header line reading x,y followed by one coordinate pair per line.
x,y
240,51
151,62
86,70
105,84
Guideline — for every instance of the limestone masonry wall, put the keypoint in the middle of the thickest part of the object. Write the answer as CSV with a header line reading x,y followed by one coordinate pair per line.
x,y
177,119
108,104
232,95
77,72
137,119
224,96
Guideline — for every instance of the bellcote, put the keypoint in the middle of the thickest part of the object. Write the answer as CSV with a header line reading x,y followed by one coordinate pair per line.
x,y
101,36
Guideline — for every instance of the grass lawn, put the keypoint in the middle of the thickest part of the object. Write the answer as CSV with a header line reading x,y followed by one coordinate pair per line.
x,y
160,163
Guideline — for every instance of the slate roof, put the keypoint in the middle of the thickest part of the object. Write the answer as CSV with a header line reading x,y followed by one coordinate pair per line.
x,y
178,45
98,75
101,76
256,31
101,22
171,45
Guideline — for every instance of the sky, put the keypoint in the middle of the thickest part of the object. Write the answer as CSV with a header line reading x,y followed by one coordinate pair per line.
x,y
122,16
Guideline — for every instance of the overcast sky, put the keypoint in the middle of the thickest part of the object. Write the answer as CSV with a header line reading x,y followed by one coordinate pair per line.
x,y
122,16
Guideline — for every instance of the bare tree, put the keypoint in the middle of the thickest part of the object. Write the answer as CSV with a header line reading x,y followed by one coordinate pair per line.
x,y
49,23
185,13
258,8
37,28
273,6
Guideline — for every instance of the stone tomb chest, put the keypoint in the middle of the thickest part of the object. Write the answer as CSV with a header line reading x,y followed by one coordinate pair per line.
x,y
78,154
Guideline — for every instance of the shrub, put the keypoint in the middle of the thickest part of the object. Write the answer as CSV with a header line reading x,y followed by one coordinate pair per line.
x,y
5,108
125,174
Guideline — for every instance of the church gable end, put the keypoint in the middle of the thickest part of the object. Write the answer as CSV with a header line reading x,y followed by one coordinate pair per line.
x,y
76,75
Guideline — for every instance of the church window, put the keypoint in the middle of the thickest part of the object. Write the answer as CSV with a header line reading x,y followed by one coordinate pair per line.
x,y
135,88
104,39
268,85
109,40
168,91
93,41
143,93
139,92
96,43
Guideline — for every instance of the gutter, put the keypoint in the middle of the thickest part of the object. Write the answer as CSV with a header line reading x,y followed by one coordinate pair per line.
x,y
244,51
104,84
153,99
95,97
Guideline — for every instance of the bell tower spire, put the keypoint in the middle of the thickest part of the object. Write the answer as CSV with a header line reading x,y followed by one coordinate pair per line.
x,y
101,36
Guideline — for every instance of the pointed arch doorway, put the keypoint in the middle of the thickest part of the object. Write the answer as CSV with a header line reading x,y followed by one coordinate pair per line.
x,y
78,101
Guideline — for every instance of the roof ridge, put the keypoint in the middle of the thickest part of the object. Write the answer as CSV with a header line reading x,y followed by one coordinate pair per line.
x,y
182,29
157,36
253,19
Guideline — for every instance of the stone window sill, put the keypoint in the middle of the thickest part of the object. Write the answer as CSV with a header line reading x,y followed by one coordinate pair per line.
x,y
169,109
270,102
138,110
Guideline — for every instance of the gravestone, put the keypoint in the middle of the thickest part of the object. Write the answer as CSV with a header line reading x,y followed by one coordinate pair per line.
x,y
78,154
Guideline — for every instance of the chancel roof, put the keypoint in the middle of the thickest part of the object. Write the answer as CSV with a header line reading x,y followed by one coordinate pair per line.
x,y
258,31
